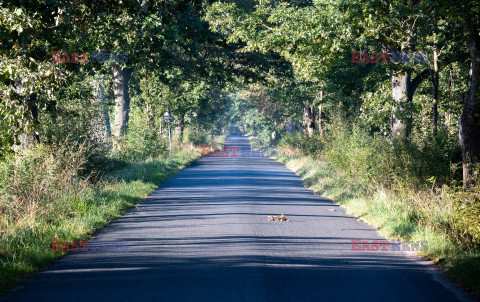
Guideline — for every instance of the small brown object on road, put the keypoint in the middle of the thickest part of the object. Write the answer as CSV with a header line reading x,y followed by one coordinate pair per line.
x,y
277,218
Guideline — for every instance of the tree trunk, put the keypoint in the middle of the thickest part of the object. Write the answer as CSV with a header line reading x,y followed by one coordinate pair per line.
x,y
435,91
435,76
26,139
320,120
160,129
469,122
403,90
101,121
309,117
121,77
182,127
33,108
401,119
150,116
288,127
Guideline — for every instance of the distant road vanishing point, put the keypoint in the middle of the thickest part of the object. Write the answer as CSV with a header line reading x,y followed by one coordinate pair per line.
x,y
204,236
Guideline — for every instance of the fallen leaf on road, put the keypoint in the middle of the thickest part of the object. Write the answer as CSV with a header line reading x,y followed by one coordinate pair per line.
x,y
277,218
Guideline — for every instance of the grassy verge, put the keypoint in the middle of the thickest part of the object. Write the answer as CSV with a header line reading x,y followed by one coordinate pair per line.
x,y
398,214
66,207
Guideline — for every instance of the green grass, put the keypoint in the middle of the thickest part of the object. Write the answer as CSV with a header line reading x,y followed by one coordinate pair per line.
x,y
397,215
77,213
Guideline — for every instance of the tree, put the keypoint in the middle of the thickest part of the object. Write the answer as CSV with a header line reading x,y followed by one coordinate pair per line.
x,y
28,76
469,121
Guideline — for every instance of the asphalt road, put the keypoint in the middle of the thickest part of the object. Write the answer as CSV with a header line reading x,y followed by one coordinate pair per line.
x,y
204,236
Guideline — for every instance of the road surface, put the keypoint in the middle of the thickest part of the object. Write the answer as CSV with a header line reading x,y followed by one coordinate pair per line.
x,y
204,236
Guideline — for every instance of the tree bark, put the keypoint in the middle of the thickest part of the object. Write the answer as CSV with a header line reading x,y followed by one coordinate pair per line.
x,y
469,122
26,139
182,127
101,122
121,77
403,90
436,73
320,120
401,119
289,127
33,108
435,91
309,117
150,116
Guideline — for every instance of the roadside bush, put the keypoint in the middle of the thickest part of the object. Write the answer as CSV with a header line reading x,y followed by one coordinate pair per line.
x,y
140,145
467,218
69,123
425,159
301,142
39,179
355,152
196,136
142,140
415,163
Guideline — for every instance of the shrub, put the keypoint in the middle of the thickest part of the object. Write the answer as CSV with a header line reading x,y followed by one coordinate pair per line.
x,y
307,145
142,140
416,162
196,136
36,179
467,218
